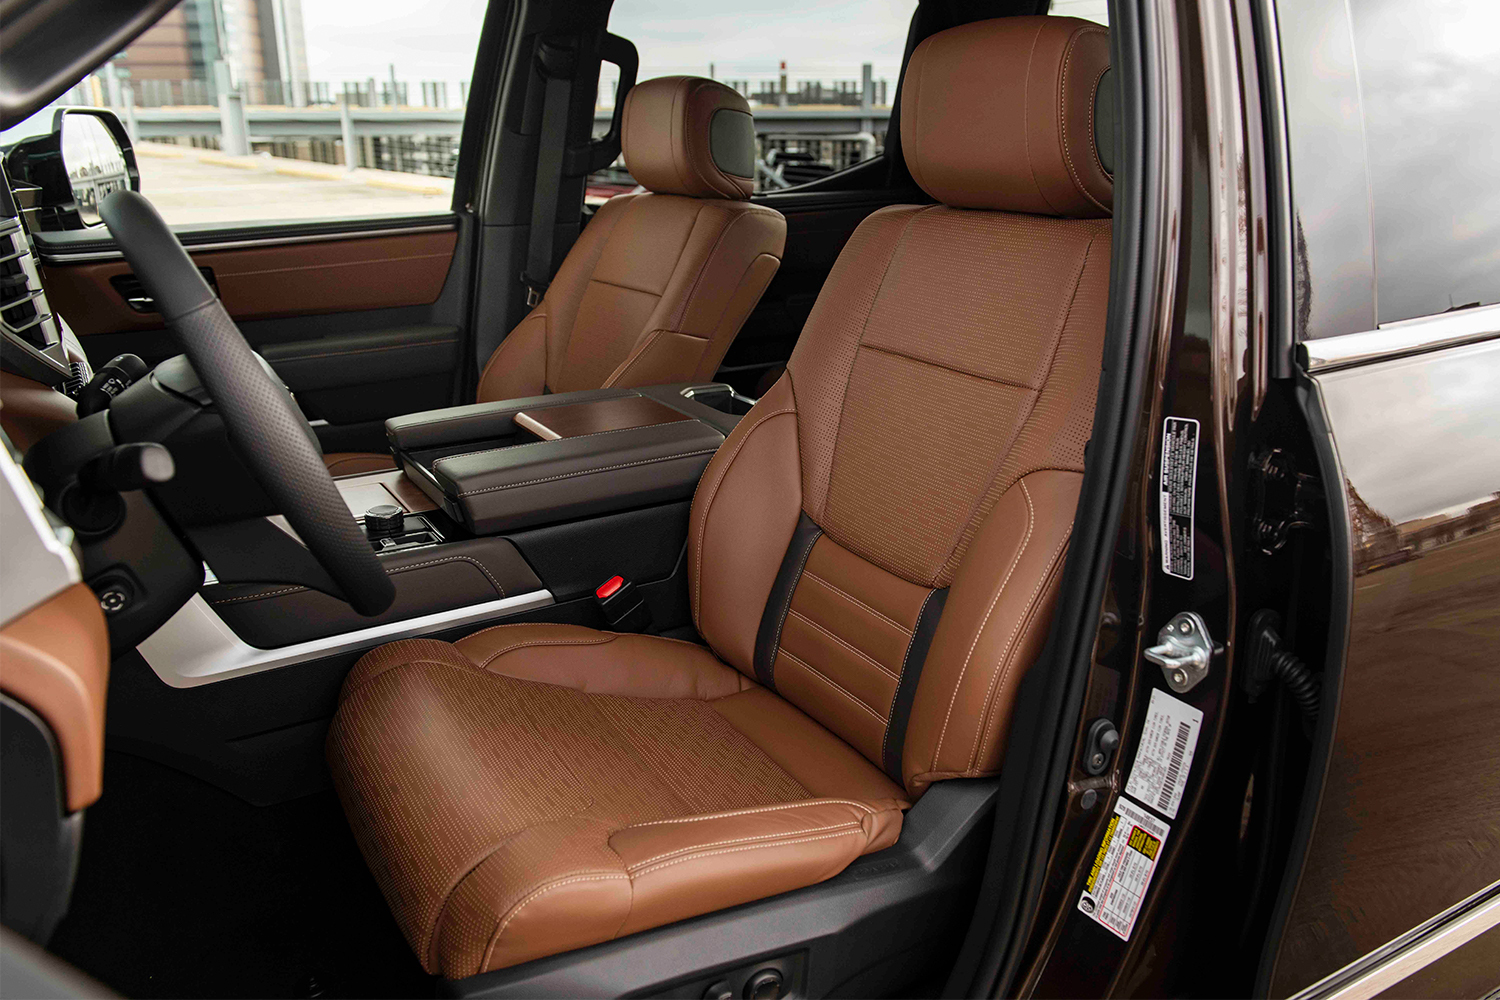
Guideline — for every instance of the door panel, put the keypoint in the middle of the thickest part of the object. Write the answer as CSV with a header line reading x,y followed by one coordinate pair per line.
x,y
1409,822
295,279
360,328
333,377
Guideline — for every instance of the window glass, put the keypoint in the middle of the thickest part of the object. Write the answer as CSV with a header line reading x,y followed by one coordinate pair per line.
x,y
1429,77
820,76
350,108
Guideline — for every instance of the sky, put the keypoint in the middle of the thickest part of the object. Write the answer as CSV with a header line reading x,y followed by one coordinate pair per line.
x,y
435,39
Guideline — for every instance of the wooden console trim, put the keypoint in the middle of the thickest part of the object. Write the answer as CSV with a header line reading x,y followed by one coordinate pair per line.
x,y
363,492
553,423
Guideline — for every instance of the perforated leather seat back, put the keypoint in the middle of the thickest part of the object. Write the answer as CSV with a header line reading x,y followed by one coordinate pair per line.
x,y
881,538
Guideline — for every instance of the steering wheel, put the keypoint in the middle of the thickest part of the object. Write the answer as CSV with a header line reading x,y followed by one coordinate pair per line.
x,y
272,435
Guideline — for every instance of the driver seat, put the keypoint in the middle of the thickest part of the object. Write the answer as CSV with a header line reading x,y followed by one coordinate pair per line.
x,y
874,556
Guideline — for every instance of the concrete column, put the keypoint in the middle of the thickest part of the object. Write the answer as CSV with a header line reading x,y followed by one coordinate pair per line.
x,y
131,127
234,134
346,126
112,85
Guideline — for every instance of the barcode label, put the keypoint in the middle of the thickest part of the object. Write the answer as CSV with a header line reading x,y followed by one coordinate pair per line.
x,y
1165,755
1174,766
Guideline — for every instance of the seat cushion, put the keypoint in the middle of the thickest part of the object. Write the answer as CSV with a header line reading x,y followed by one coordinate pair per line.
x,y
537,788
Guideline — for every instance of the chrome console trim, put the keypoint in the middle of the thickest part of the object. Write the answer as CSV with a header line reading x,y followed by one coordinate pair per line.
x,y
196,647
1401,339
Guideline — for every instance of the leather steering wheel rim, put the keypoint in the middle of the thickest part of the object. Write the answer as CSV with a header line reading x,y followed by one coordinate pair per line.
x,y
271,433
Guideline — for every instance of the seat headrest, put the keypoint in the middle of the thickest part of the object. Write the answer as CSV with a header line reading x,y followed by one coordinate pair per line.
x,y
1001,114
691,136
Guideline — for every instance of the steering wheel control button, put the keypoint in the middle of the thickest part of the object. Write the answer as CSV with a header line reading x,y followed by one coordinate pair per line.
x,y
384,519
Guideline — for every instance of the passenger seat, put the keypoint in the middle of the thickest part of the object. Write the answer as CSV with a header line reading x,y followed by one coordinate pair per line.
x,y
660,282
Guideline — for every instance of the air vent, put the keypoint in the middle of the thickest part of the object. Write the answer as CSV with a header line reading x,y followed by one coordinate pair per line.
x,y
22,306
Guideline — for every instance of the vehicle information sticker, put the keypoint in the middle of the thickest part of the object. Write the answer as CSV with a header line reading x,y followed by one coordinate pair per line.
x,y
1123,867
1168,742
1179,483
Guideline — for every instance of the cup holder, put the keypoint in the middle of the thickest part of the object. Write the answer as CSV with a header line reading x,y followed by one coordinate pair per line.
x,y
721,397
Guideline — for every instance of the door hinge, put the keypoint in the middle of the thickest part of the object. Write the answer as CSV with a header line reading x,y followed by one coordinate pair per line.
x,y
1285,499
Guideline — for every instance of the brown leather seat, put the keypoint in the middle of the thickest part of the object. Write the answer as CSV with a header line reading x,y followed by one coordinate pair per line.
x,y
659,284
874,554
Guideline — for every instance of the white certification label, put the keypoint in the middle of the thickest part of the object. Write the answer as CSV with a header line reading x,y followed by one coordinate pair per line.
x,y
1168,742
1179,484
1123,867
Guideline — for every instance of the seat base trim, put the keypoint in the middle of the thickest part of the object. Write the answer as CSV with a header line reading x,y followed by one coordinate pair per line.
x,y
195,646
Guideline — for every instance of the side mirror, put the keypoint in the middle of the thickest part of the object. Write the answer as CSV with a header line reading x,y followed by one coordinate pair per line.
x,y
86,158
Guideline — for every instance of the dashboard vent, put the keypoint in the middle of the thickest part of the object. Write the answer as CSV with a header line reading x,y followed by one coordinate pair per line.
x,y
22,307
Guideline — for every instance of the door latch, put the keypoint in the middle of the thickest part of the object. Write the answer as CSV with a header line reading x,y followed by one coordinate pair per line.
x,y
1183,650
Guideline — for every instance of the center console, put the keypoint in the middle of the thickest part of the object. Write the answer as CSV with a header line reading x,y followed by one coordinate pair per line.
x,y
519,507
495,467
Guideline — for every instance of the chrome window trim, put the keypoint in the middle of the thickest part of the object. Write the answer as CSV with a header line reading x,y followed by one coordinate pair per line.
x,y
53,256
1398,959
196,647
1401,339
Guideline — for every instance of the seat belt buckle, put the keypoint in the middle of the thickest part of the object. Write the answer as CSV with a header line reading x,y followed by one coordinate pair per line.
x,y
535,290
623,606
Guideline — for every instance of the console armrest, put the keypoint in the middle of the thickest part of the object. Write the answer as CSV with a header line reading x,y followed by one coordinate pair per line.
x,y
501,466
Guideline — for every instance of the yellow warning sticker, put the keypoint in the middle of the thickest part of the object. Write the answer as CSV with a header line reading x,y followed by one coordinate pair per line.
x,y
1122,869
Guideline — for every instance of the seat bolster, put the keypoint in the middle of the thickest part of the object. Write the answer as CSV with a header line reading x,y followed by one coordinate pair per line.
x,y
571,883
681,868
400,653
992,630
743,516
518,368
640,666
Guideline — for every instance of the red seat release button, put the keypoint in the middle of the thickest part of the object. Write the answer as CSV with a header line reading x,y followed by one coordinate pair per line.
x,y
609,587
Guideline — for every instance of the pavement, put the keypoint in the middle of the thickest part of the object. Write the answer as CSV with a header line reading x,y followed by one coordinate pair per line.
x,y
200,186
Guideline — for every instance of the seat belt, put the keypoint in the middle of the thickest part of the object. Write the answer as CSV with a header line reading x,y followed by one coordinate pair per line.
x,y
549,164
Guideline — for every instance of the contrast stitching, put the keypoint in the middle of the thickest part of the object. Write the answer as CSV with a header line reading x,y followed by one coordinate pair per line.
x,y
629,363
468,559
595,877
541,642
732,813
905,659
364,350
1093,135
836,685
519,625
256,597
1062,116
809,574
714,494
1025,421
847,645
1026,122
735,850
770,837
958,685
787,607
533,444
859,344
997,681
589,472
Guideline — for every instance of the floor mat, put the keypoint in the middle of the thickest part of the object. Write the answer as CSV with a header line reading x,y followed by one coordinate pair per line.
x,y
186,891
